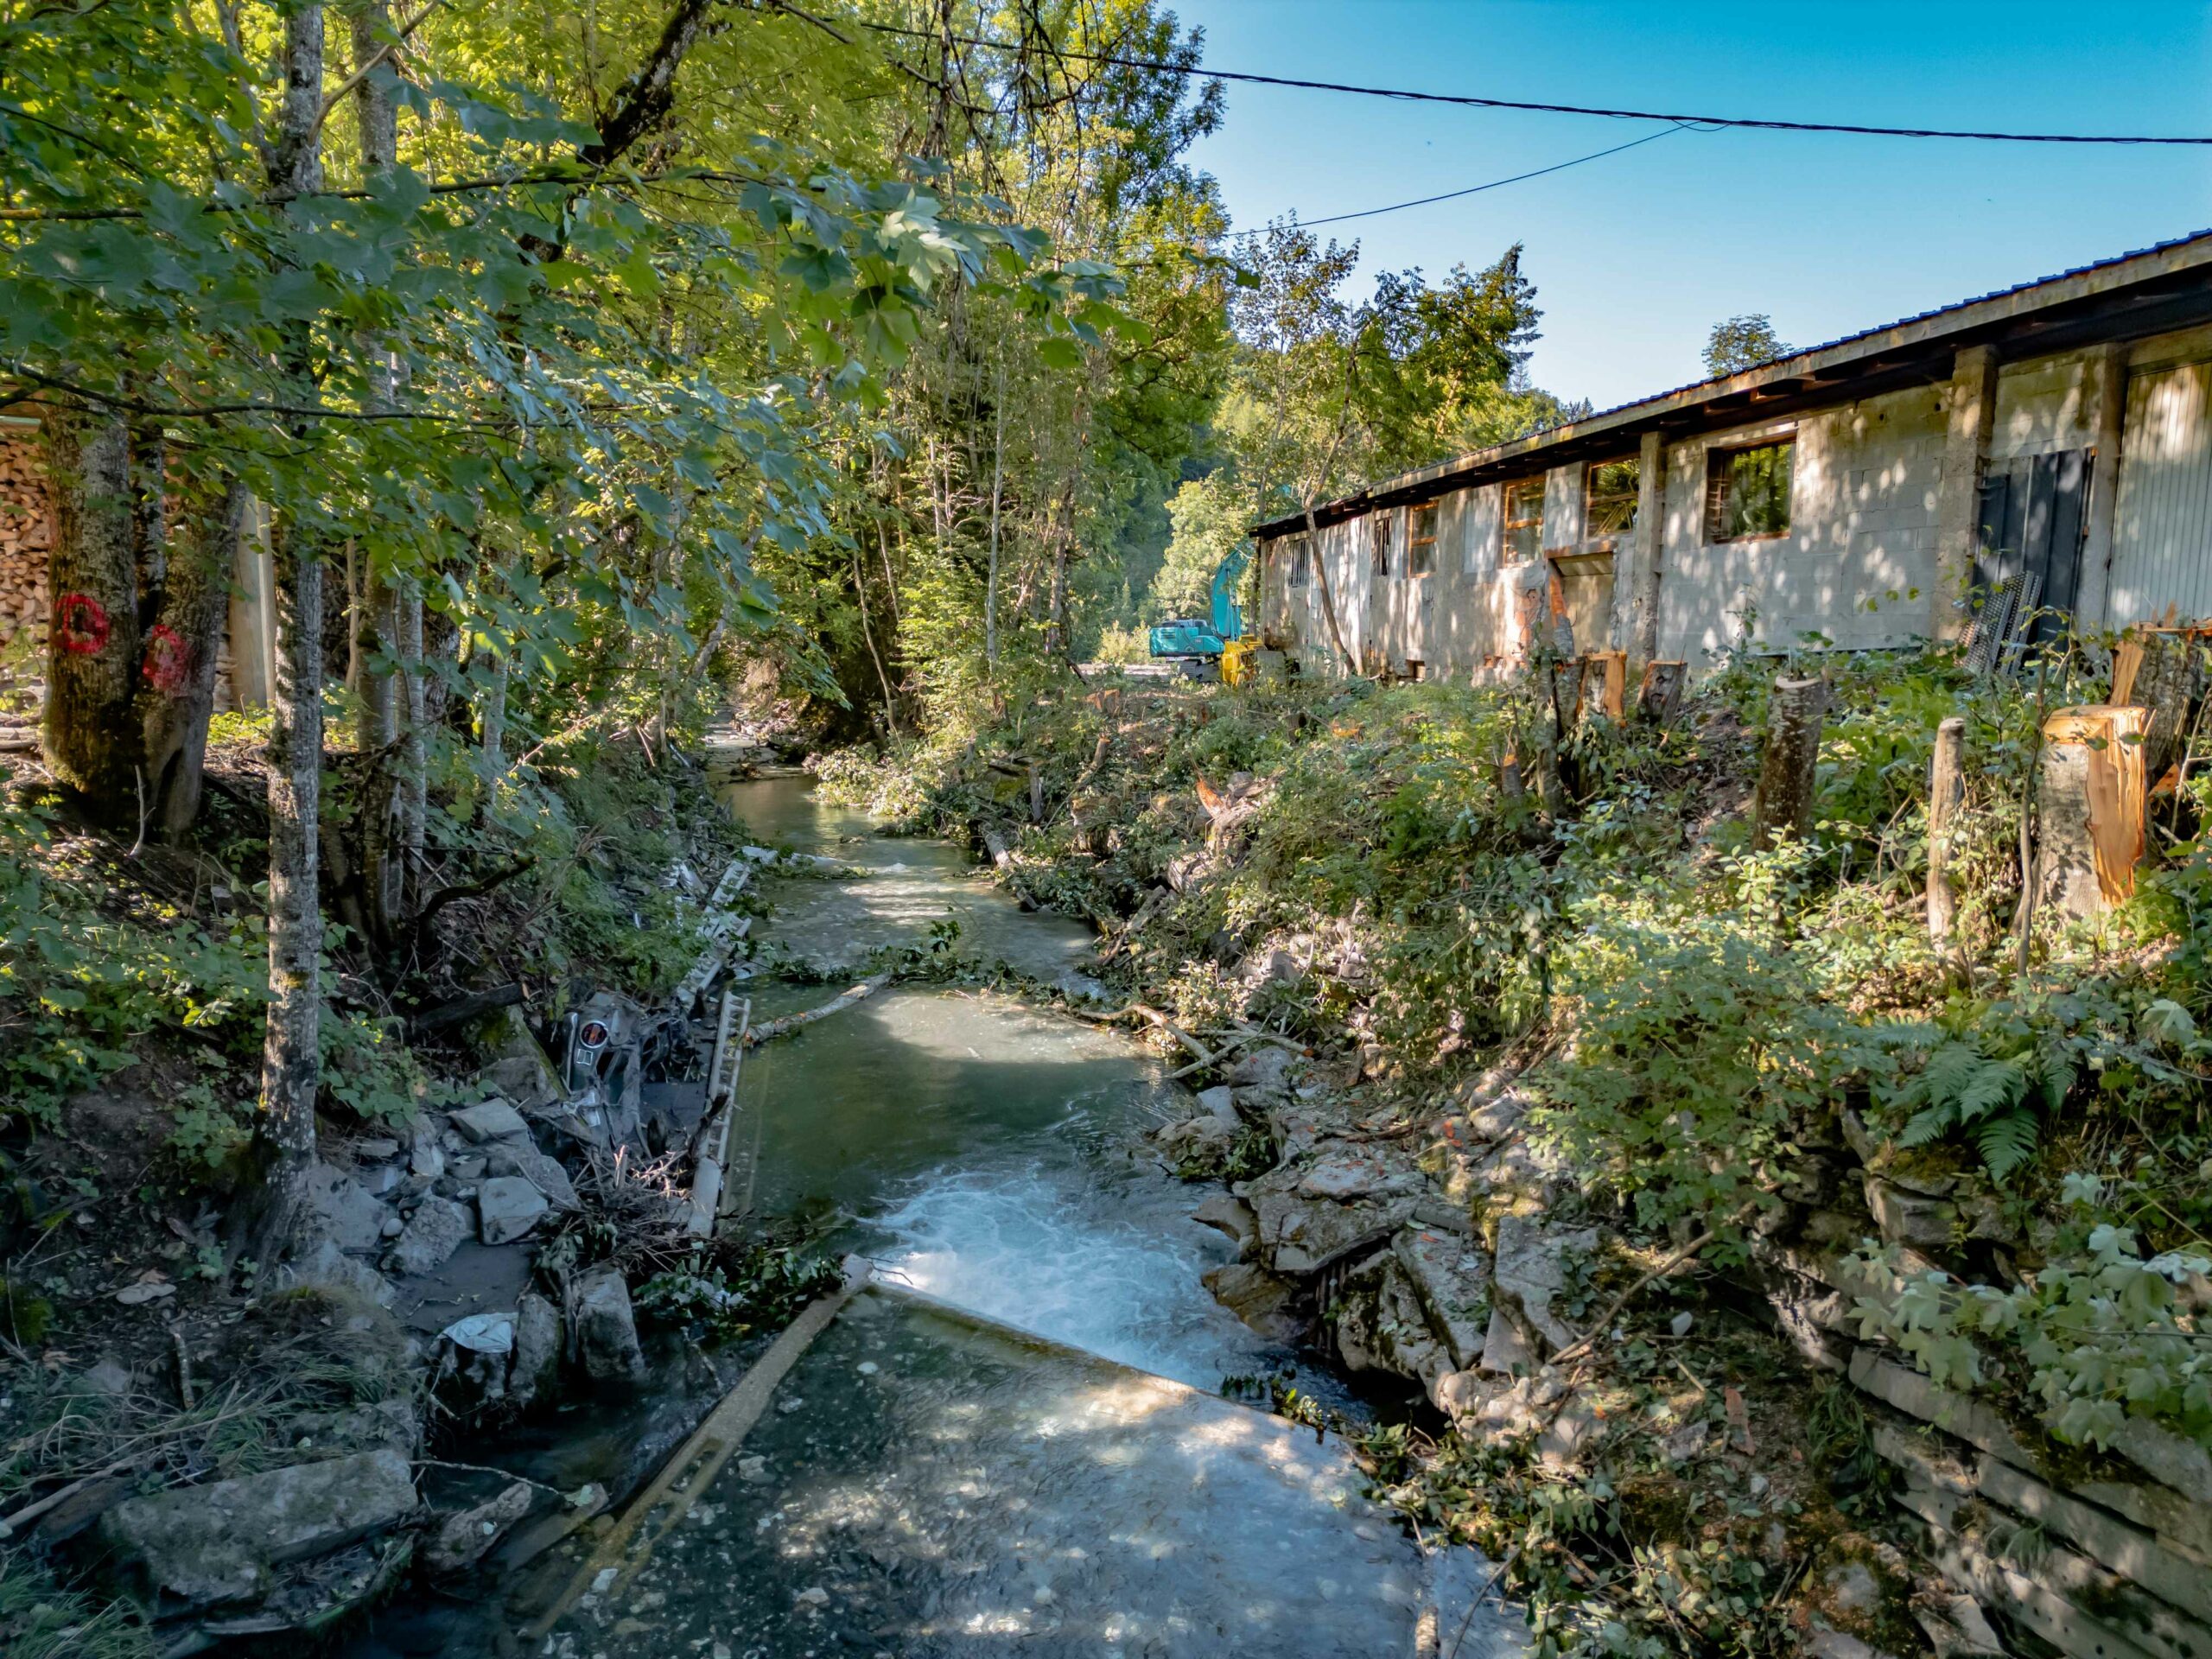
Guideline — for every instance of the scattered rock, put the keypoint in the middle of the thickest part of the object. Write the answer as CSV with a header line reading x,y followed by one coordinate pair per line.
x,y
340,1209
1912,1219
198,1546
426,1160
607,1328
1574,1431
146,1290
1497,1115
327,1268
1263,1070
493,1120
1257,1297
390,1422
520,1158
1687,1441
465,1170
1380,1324
434,1233
105,1378
507,1207
1531,1269
1345,1174
461,1539
1201,1136
1227,1213
376,1149
1451,1277
1505,1351
538,1349
1220,1102
1302,1234
393,1226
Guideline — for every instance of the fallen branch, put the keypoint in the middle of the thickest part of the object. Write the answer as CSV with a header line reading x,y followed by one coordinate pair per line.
x,y
791,1022
1198,1050
446,896
10,1525
1581,1345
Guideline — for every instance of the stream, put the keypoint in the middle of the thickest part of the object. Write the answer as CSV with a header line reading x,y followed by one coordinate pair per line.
x,y
1012,1438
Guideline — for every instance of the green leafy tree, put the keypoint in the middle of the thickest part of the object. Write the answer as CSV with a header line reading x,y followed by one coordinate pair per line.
x,y
1744,342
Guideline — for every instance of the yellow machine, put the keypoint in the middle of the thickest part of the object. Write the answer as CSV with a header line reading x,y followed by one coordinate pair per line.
x,y
1237,661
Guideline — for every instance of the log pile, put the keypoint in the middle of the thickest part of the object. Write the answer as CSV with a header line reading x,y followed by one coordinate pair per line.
x,y
26,531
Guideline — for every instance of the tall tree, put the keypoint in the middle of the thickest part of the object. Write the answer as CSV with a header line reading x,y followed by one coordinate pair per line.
x,y
1744,342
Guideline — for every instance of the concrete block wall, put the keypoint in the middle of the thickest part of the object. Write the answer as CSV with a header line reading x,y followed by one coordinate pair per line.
x,y
25,533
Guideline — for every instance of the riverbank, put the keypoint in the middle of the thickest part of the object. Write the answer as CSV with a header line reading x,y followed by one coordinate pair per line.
x,y
1672,1172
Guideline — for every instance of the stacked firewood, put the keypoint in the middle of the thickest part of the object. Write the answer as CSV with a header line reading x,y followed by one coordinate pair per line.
x,y
26,531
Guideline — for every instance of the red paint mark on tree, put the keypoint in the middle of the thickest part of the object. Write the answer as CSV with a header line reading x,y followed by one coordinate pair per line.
x,y
169,660
79,624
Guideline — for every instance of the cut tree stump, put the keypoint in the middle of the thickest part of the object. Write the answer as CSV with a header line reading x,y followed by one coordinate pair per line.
x,y
1783,804
2089,808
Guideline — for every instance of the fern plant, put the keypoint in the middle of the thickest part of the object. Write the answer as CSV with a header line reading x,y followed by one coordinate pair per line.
x,y
1992,1101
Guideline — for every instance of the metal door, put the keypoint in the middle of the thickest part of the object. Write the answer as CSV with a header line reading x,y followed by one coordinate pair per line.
x,y
2032,518
2162,534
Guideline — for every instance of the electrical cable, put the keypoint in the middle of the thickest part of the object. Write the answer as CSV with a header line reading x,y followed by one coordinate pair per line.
x,y
1470,100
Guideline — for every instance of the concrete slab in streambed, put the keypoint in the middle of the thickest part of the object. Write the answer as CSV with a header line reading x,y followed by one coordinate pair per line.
x,y
923,1483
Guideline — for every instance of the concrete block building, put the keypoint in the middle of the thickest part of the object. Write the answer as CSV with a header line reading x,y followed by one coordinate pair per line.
x,y
2050,444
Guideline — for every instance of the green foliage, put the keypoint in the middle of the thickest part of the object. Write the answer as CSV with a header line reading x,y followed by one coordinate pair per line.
x,y
749,1288
41,1618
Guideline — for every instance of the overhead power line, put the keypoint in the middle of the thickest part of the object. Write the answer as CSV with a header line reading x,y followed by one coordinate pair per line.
x,y
1472,101
1477,189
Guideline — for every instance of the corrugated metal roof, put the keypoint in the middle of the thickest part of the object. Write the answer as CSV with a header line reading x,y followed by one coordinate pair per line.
x,y
1744,379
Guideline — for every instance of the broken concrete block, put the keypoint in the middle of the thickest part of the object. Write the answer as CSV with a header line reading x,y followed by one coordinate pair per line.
x,y
538,1349
606,1327
507,1207
203,1545
434,1233
340,1209
1531,1270
546,1174
493,1120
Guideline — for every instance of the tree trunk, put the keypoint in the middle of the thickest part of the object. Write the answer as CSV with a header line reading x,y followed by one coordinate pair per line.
x,y
291,1062
1783,804
1946,789
492,756
93,628
178,697
998,482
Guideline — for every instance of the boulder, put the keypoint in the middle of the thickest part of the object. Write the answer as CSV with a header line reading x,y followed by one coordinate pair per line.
x,y
1226,1213
390,1422
434,1233
538,1349
1505,1351
327,1268
507,1207
1531,1271
1259,1297
338,1208
1380,1324
1345,1174
1301,1235
1915,1220
521,1158
1263,1070
462,1539
1220,1102
426,1160
607,1328
1496,1115
198,1546
493,1120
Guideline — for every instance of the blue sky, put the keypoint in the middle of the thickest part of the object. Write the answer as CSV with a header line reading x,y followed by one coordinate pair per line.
x,y
1635,256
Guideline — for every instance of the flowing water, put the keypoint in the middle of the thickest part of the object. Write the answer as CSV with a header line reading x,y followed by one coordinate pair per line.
x,y
980,1151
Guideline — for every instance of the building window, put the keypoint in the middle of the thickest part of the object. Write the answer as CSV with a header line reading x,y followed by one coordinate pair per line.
x,y
1524,520
1747,492
1378,529
1301,566
1609,497
1421,539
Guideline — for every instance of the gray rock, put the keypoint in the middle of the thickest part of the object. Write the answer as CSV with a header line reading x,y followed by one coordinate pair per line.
x,y
1451,1278
1380,1325
1346,1173
204,1545
426,1160
105,1378
393,1226
390,1422
607,1329
434,1233
462,1539
1257,1297
1263,1070
1531,1270
1497,1115
462,1170
520,1158
376,1149
1573,1435
1221,1103
1198,1137
507,1207
494,1120
327,1268
1506,1352
340,1210
1300,1235
538,1349
1226,1213
1913,1219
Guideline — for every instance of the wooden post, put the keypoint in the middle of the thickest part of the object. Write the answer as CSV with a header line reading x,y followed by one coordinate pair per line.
x,y
1947,786
1784,802
1973,413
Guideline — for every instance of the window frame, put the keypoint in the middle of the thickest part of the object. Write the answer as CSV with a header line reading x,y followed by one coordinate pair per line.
x,y
1380,540
1634,496
1421,550
1507,523
1299,554
1720,459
